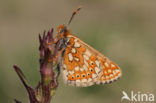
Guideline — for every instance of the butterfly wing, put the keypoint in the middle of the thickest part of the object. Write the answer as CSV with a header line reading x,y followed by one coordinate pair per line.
x,y
84,66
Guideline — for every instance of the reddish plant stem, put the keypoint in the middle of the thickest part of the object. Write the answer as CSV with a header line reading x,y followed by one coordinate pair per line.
x,y
49,79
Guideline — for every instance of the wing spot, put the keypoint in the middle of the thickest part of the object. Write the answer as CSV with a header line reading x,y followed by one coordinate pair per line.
x,y
78,80
89,80
109,71
97,63
77,68
111,76
86,57
112,66
83,75
75,40
77,59
85,67
114,72
77,45
88,53
72,77
105,72
91,69
97,70
107,77
73,50
84,80
94,76
102,78
86,63
77,75
104,82
71,72
117,71
88,74
92,63
70,57
65,72
106,64
81,69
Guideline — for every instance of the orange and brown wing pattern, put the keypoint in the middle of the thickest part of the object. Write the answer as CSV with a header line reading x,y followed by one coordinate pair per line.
x,y
84,66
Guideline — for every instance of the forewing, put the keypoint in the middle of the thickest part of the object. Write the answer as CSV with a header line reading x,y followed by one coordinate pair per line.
x,y
84,66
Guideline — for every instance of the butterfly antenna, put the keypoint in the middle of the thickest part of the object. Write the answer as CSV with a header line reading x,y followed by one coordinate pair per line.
x,y
74,13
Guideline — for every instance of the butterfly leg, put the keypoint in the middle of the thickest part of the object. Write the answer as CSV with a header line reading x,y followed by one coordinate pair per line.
x,y
56,38
55,85
56,57
58,73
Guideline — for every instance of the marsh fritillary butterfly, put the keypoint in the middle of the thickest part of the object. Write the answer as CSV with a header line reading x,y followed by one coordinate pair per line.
x,y
81,64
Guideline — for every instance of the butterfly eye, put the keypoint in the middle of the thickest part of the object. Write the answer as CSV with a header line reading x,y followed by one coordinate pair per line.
x,y
64,29
88,74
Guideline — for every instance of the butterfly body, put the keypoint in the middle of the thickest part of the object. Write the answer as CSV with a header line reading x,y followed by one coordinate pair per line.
x,y
81,64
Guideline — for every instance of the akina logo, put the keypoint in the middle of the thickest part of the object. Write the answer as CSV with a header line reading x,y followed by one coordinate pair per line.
x,y
137,97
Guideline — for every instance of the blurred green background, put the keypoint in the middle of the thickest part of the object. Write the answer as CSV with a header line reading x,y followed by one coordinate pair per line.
x,y
124,31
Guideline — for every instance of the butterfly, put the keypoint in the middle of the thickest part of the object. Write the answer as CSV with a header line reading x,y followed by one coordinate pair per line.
x,y
81,64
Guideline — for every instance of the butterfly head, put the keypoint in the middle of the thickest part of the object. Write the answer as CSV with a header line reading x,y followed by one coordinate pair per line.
x,y
62,30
